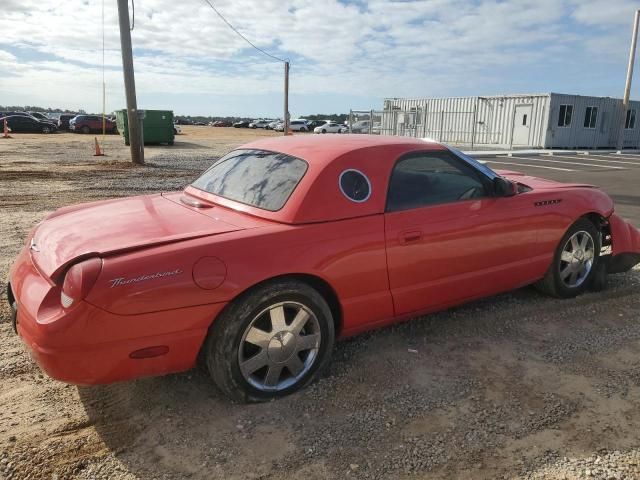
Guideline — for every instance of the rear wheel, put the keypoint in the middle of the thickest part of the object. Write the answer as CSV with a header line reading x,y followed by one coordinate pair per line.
x,y
270,342
46,130
575,262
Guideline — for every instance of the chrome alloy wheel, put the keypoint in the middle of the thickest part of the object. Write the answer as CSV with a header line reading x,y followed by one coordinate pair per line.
x,y
279,346
576,259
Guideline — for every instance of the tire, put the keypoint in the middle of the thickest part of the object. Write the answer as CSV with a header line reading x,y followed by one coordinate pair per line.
x,y
324,131
46,130
86,129
557,282
227,347
175,132
303,129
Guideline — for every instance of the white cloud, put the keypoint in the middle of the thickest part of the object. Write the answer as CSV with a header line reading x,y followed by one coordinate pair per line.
x,y
53,54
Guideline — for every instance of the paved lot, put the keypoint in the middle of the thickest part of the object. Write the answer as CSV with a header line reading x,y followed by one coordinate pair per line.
x,y
515,386
617,174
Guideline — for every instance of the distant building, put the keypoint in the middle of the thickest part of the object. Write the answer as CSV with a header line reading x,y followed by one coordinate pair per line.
x,y
549,120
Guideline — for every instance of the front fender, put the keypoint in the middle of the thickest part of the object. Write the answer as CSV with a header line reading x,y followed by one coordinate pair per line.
x,y
625,245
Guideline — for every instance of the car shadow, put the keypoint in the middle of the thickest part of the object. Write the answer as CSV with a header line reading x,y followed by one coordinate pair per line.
x,y
400,384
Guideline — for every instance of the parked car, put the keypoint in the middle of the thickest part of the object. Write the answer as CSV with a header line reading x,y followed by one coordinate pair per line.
x,y
40,116
331,127
63,120
313,240
361,126
91,123
311,124
27,124
259,123
221,123
176,129
273,124
298,125
241,124
15,113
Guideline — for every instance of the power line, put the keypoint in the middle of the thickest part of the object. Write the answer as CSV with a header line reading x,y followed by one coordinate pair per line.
x,y
242,36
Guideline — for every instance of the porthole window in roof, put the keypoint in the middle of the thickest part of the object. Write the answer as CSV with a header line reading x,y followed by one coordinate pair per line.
x,y
355,185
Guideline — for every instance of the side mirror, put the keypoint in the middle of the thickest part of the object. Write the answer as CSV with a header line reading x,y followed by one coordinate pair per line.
x,y
504,188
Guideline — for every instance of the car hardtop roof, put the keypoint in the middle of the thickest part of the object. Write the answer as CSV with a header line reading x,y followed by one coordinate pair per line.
x,y
323,149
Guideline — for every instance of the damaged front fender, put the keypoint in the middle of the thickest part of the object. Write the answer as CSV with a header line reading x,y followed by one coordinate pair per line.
x,y
625,245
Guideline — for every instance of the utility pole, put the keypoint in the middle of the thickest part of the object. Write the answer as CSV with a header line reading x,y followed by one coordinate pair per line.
x,y
627,87
286,98
137,149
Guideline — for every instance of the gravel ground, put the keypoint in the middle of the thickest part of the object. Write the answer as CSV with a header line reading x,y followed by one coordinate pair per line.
x,y
515,386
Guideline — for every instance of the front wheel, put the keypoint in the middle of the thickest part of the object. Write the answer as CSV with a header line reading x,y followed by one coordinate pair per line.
x,y
270,342
86,129
46,130
574,263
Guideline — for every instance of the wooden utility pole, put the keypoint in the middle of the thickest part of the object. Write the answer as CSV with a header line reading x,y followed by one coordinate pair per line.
x,y
137,148
286,98
627,87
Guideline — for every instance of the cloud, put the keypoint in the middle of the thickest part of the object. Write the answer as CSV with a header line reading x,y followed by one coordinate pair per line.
x,y
358,50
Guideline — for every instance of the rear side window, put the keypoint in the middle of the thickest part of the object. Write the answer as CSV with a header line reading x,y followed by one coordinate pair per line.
x,y
254,177
432,178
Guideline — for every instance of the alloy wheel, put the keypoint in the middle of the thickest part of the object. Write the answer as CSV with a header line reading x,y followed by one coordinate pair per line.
x,y
279,346
576,259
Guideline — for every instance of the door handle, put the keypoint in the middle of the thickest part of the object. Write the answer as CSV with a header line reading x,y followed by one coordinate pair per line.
x,y
410,237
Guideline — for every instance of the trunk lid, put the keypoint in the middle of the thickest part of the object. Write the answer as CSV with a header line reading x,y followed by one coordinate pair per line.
x,y
107,227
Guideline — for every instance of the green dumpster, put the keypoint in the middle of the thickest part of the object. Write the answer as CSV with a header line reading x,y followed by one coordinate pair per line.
x,y
158,126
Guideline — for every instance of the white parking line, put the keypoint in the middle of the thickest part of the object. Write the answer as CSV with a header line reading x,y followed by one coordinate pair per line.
x,y
590,158
533,166
609,158
634,155
571,163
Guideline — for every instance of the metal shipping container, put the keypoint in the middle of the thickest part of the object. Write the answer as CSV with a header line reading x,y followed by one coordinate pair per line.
x,y
547,120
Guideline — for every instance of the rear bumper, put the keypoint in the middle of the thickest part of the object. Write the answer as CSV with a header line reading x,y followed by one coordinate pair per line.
x,y
87,345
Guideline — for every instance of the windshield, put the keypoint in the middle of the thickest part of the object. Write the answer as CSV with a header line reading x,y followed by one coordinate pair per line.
x,y
255,177
475,163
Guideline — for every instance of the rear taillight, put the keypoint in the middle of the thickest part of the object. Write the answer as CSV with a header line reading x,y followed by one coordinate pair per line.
x,y
79,280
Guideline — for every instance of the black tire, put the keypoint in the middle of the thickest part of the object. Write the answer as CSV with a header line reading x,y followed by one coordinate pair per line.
x,y
46,130
303,129
221,349
552,283
324,131
175,132
86,129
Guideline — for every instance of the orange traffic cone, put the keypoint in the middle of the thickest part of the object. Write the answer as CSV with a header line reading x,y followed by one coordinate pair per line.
x,y
98,152
6,130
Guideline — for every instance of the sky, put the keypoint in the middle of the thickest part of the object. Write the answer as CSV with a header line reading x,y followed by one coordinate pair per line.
x,y
344,54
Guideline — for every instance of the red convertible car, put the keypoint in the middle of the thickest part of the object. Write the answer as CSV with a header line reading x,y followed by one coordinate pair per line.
x,y
286,244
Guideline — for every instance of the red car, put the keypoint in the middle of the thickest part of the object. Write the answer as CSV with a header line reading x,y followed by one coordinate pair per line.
x,y
91,123
288,243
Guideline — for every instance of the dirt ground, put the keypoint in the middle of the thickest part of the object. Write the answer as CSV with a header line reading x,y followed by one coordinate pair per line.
x,y
515,386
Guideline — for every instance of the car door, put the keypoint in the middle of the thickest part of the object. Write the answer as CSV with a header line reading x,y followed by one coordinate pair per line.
x,y
449,239
19,124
